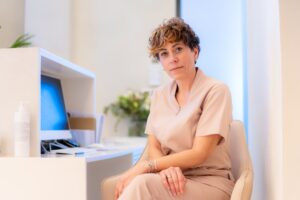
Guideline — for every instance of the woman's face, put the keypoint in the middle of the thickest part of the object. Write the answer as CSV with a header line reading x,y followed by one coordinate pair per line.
x,y
177,59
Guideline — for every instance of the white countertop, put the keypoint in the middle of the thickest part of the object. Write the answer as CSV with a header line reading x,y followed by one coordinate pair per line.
x,y
111,147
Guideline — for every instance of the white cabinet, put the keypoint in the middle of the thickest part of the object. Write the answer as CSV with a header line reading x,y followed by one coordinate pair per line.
x,y
20,76
64,178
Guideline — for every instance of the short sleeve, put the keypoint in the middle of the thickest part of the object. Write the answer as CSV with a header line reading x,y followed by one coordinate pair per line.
x,y
149,125
216,113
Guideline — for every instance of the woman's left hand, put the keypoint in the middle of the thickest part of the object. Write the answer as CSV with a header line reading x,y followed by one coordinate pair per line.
x,y
173,180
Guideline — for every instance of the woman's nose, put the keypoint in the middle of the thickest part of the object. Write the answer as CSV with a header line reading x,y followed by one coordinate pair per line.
x,y
173,57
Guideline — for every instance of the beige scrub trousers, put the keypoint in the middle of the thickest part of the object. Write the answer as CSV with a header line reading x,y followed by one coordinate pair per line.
x,y
207,111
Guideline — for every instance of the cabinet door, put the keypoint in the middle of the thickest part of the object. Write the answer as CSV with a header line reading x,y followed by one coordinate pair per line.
x,y
43,178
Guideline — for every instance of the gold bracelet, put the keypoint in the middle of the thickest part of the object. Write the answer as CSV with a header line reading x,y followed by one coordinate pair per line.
x,y
151,166
146,165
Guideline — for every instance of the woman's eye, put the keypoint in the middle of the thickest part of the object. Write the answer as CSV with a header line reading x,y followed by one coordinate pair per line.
x,y
163,54
178,49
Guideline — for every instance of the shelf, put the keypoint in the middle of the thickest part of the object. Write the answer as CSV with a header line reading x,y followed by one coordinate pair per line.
x,y
20,75
61,68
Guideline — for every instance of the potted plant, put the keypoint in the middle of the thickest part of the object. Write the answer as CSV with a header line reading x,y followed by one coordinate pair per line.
x,y
134,106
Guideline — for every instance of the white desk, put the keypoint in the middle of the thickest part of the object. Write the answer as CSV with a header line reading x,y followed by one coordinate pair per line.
x,y
134,144
63,178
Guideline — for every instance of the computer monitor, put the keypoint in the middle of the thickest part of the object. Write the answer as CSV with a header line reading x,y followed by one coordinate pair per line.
x,y
54,119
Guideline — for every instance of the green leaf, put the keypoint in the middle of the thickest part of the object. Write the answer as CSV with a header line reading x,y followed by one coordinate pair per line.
x,y
22,41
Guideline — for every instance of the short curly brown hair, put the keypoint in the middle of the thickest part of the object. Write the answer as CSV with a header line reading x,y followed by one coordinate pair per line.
x,y
170,31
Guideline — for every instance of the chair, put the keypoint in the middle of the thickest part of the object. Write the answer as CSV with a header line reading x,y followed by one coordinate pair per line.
x,y
241,162
241,166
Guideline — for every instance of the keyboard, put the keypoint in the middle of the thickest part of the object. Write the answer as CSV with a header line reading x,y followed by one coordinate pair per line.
x,y
74,151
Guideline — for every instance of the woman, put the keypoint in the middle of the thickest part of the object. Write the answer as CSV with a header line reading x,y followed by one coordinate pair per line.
x,y
187,127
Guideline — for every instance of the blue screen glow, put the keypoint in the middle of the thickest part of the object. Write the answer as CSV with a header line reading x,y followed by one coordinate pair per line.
x,y
53,112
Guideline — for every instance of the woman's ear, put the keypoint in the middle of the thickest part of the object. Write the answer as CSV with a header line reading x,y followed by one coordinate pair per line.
x,y
196,53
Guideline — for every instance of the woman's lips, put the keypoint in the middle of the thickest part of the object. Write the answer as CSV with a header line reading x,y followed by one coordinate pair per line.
x,y
175,68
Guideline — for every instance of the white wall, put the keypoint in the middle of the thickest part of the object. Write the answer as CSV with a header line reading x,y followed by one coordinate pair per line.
x,y
11,21
290,42
111,39
265,98
274,96
50,22
219,25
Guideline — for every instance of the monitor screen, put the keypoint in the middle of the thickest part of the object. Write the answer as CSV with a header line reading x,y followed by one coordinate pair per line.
x,y
54,119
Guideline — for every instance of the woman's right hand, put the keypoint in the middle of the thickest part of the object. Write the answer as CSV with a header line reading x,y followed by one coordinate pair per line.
x,y
123,181
173,180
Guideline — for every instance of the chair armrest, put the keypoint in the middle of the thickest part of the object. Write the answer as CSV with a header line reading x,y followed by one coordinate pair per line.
x,y
243,186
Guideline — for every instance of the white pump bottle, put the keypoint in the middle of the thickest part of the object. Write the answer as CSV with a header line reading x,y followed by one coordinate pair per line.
x,y
22,132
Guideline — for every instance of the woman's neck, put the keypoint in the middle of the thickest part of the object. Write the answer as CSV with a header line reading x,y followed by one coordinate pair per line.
x,y
185,85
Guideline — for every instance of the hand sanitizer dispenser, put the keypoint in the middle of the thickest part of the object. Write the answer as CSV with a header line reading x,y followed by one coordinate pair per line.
x,y
22,132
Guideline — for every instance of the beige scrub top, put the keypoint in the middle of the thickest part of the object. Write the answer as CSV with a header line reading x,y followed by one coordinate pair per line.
x,y
207,111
